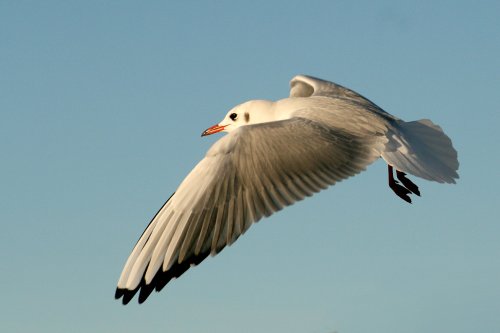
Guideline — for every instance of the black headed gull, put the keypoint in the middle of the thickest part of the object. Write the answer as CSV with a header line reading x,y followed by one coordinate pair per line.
x,y
277,153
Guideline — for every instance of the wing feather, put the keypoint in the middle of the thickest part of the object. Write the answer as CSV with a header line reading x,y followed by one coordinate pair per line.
x,y
309,86
250,173
193,227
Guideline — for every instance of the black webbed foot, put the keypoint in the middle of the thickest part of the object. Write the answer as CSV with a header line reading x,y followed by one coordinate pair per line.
x,y
401,191
404,190
407,183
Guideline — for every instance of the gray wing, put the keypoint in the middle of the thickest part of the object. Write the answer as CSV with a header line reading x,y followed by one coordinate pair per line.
x,y
250,173
309,86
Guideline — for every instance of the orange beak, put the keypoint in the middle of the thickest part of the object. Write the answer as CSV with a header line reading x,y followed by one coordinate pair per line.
x,y
214,129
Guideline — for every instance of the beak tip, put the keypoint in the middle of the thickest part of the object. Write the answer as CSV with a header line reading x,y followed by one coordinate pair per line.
x,y
212,130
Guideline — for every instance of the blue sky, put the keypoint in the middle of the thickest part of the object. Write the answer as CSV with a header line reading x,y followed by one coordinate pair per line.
x,y
102,106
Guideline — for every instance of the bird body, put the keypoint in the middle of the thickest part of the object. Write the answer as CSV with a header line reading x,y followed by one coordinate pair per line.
x,y
277,153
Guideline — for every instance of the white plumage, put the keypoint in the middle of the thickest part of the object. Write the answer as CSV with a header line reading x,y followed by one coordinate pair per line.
x,y
277,153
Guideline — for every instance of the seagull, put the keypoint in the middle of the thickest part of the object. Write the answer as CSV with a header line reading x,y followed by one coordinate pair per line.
x,y
276,153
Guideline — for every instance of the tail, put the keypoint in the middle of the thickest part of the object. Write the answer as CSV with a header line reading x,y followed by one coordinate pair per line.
x,y
422,149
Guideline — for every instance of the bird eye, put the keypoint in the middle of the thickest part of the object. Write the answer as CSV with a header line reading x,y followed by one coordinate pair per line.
x,y
233,116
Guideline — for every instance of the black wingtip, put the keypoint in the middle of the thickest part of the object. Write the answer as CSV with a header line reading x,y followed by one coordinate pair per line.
x,y
128,295
146,290
125,294
118,293
160,280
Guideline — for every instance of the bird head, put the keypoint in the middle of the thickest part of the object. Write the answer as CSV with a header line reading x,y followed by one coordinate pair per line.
x,y
248,113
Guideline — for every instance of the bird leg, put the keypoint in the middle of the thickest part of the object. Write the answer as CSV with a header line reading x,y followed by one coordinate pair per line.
x,y
407,183
400,191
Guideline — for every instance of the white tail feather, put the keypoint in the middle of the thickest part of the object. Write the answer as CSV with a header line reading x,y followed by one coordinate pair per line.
x,y
422,149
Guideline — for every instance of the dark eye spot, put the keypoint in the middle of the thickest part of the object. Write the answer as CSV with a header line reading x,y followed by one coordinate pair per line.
x,y
247,117
233,116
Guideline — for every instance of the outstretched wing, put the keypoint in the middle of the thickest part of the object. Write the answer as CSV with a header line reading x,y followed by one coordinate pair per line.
x,y
250,173
309,86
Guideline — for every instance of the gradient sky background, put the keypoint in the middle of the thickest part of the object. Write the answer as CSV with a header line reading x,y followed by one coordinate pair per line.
x,y
102,106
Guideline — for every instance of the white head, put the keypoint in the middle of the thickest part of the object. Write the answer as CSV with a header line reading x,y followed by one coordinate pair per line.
x,y
248,113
